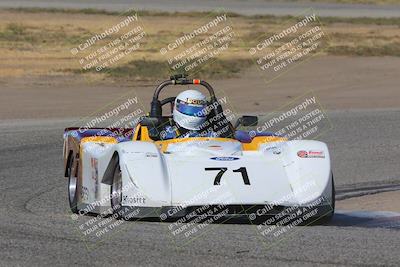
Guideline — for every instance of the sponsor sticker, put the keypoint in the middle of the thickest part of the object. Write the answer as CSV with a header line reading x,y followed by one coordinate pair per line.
x,y
275,150
134,200
151,155
311,154
198,102
224,158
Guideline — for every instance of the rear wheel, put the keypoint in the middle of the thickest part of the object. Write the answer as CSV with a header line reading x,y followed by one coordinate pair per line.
x,y
121,212
72,186
116,192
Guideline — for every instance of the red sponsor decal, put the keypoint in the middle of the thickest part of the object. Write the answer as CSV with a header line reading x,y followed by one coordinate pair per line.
x,y
316,154
302,154
311,154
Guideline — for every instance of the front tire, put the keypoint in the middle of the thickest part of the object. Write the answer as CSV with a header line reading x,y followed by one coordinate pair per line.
x,y
328,217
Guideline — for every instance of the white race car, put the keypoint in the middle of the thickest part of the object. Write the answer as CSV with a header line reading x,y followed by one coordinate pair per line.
x,y
135,173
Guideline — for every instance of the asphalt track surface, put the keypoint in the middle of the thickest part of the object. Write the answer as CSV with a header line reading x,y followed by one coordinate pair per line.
x,y
248,7
36,227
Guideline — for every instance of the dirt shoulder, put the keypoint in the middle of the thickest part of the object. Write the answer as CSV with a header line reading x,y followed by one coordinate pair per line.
x,y
375,202
338,83
41,78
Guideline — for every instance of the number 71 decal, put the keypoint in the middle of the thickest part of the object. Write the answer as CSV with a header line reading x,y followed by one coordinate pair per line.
x,y
222,170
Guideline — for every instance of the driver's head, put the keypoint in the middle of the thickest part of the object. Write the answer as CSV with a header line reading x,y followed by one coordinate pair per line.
x,y
189,110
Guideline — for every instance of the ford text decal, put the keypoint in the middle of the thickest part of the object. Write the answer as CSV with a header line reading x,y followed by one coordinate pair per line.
x,y
224,158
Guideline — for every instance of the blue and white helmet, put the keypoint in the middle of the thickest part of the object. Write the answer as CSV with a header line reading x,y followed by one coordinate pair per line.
x,y
190,109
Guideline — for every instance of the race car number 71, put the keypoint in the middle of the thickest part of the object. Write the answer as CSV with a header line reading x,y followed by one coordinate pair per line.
x,y
222,170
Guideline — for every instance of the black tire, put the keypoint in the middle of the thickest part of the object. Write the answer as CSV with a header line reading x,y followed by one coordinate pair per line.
x,y
116,193
72,186
121,212
333,195
328,217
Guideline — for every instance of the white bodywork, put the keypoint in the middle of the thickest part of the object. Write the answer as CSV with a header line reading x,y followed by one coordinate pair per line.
x,y
178,177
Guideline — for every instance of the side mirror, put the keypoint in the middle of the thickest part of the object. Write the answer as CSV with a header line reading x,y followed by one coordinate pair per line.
x,y
247,121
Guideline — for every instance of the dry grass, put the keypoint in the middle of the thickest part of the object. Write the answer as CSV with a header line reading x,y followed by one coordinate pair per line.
x,y
38,42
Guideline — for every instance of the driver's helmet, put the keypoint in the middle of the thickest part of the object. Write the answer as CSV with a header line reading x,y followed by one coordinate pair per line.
x,y
190,109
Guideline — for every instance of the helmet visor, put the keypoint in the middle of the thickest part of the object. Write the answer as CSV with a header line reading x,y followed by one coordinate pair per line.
x,y
190,109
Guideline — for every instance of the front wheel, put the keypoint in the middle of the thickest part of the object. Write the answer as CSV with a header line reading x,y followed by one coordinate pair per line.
x,y
328,217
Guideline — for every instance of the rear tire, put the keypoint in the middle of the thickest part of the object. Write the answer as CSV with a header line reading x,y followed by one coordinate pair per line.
x,y
72,186
116,192
122,212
